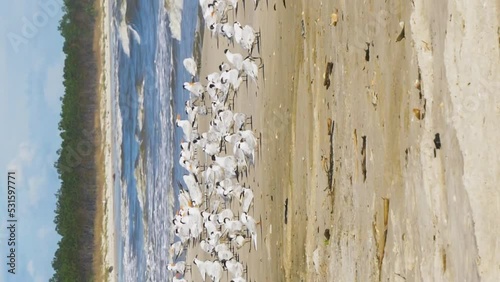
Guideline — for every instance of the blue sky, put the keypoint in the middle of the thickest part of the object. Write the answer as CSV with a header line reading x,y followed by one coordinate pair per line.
x,y
31,65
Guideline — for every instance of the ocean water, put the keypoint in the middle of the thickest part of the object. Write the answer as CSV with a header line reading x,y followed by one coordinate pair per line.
x,y
147,94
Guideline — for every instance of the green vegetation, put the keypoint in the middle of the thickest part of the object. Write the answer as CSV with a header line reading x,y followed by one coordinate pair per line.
x,y
76,198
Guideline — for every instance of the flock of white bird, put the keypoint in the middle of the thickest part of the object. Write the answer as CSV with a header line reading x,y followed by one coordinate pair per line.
x,y
205,217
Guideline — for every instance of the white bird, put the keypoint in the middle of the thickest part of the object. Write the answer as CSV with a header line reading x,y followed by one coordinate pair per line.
x,y
227,30
212,148
183,233
238,32
194,111
225,255
190,66
247,151
179,267
246,199
234,267
228,163
210,15
236,59
225,213
215,28
175,250
187,128
215,270
238,240
233,77
247,38
193,188
250,224
206,247
251,69
213,77
213,174
194,88
184,199
239,121
224,67
232,226
210,227
202,266
249,137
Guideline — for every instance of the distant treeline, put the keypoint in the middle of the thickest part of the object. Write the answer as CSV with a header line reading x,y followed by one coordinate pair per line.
x,y
76,198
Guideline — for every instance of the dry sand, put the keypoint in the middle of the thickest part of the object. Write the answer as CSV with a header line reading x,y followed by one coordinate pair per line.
x,y
395,207
107,249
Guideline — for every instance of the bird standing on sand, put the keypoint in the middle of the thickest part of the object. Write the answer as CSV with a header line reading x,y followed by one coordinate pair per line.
x,y
235,59
250,224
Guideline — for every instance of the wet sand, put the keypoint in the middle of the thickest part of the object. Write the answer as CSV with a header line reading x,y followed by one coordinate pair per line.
x,y
383,197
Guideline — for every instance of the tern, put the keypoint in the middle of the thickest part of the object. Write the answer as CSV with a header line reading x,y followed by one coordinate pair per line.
x,y
246,199
187,128
236,59
194,88
179,267
250,224
228,163
234,267
190,66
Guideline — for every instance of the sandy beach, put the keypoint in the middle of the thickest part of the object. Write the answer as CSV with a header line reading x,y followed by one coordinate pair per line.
x,y
107,250
377,157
